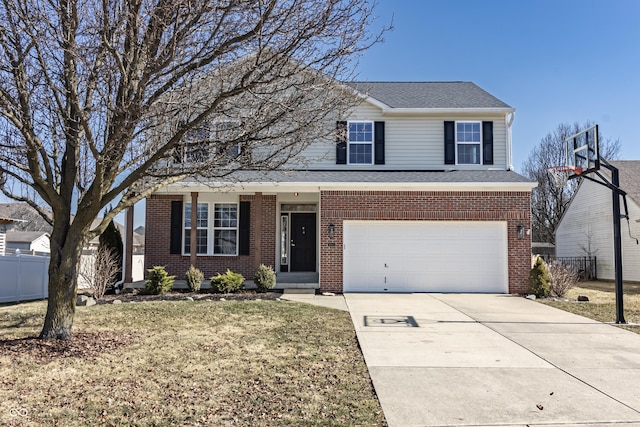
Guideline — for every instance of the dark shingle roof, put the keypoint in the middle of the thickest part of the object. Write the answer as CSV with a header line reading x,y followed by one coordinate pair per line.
x,y
629,172
376,177
429,94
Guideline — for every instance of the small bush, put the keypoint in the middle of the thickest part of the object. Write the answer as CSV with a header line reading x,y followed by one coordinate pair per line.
x,y
227,283
265,278
561,278
539,279
158,281
194,278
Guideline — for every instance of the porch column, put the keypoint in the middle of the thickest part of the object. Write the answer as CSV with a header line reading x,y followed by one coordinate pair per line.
x,y
194,227
128,250
257,227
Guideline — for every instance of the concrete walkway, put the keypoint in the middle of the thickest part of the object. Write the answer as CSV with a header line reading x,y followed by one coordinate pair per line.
x,y
488,360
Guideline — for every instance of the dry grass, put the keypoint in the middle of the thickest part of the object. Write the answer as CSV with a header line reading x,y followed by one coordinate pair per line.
x,y
233,363
602,302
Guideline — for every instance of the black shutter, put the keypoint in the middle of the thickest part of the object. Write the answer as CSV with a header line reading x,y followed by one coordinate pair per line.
x,y
487,143
175,245
379,143
243,229
341,143
449,143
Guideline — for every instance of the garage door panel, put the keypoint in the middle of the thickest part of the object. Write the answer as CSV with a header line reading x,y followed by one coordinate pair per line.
x,y
425,256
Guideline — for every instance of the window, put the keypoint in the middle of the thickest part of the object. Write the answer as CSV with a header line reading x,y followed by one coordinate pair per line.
x,y
225,229
202,232
360,142
200,143
468,143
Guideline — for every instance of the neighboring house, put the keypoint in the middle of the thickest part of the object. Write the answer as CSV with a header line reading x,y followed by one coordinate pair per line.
x,y
138,239
417,194
586,228
543,249
6,224
28,242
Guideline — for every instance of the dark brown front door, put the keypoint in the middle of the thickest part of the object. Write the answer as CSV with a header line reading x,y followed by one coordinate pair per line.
x,y
303,242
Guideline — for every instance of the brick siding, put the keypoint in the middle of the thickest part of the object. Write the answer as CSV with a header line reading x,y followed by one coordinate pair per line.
x,y
512,207
157,239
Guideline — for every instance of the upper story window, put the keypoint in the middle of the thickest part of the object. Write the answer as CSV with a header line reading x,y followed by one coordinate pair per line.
x,y
211,139
360,143
468,143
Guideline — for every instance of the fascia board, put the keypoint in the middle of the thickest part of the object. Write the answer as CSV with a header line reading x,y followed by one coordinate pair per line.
x,y
445,111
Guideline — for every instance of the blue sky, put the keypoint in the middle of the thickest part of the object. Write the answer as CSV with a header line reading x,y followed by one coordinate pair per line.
x,y
553,61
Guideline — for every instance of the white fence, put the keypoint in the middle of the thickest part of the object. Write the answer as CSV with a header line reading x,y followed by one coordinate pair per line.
x,y
24,277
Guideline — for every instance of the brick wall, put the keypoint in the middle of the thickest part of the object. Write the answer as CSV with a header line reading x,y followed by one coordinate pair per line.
x,y
157,240
512,207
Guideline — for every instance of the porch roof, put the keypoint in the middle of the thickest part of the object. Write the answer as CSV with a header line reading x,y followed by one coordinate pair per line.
x,y
368,178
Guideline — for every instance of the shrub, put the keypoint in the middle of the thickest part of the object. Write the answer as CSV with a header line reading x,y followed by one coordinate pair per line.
x,y
265,278
227,283
194,278
158,281
99,270
539,279
561,278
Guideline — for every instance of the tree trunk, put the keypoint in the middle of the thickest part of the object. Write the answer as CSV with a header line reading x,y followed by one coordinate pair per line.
x,y
63,266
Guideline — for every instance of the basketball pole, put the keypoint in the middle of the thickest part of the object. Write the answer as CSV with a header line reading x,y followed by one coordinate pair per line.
x,y
617,242
617,233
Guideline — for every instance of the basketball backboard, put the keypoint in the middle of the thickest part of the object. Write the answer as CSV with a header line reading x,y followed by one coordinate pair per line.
x,y
582,150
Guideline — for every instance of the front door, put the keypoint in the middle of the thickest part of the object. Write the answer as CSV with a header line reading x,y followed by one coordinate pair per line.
x,y
303,242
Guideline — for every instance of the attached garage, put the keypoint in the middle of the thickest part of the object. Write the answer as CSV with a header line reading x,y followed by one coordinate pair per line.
x,y
425,256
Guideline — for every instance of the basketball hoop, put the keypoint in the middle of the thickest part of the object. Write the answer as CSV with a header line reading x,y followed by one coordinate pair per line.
x,y
561,174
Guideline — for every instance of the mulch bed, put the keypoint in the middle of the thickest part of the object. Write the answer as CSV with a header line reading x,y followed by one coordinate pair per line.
x,y
85,345
138,295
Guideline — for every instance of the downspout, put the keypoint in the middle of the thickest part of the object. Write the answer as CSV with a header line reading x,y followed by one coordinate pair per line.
x,y
509,118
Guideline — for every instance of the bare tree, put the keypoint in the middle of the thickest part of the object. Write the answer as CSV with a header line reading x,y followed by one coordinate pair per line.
x,y
104,102
100,270
548,200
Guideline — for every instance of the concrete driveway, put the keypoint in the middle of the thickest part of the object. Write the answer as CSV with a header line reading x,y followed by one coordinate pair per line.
x,y
486,360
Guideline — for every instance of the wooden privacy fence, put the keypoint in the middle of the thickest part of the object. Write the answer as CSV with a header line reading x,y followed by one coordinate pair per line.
x,y
24,277
587,267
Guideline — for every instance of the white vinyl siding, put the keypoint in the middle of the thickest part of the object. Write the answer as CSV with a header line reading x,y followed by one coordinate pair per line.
x,y
411,142
589,220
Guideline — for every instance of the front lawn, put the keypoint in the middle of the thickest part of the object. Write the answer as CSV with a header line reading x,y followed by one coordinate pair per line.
x,y
196,363
602,302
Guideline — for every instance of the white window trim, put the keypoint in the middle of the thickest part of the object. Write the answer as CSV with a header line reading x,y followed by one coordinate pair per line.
x,y
184,229
455,131
373,139
213,229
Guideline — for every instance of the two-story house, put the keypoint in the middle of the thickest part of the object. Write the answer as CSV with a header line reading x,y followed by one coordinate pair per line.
x,y
417,194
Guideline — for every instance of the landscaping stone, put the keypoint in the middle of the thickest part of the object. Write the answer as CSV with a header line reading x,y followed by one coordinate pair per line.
x,y
531,297
85,301
189,299
222,299
117,301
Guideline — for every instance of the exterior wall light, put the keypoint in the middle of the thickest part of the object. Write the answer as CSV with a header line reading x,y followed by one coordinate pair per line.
x,y
332,231
521,232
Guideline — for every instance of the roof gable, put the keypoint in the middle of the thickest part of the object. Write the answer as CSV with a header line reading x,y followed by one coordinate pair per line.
x,y
430,95
629,173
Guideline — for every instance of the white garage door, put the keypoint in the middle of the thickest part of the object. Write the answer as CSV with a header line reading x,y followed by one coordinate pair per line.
x,y
425,256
